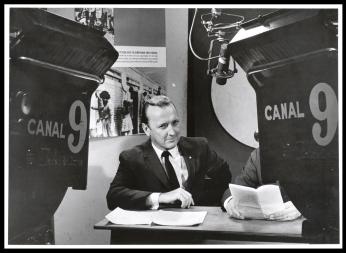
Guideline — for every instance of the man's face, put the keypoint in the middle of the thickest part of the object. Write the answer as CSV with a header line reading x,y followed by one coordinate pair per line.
x,y
163,126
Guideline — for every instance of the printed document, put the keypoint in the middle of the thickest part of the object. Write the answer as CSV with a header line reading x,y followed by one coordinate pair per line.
x,y
158,217
126,217
257,203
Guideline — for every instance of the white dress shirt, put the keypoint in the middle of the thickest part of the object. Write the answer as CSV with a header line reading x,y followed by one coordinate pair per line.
x,y
226,202
180,169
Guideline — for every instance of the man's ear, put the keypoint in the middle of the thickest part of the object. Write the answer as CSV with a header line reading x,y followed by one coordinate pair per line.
x,y
146,129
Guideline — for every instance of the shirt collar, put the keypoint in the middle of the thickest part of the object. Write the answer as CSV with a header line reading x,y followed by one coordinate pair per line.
x,y
174,151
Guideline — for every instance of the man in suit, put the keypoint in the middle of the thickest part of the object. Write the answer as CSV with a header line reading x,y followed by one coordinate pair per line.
x,y
149,177
251,176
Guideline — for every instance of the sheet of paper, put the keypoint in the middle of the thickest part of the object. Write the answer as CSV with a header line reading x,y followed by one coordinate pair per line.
x,y
126,217
270,199
172,218
160,217
245,196
257,203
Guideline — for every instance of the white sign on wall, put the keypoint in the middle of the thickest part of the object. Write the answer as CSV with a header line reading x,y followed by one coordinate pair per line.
x,y
134,56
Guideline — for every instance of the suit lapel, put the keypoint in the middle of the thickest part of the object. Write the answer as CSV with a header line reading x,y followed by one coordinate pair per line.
x,y
189,157
154,164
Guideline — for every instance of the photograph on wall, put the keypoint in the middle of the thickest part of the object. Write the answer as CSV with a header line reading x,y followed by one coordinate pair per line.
x,y
98,18
138,73
116,105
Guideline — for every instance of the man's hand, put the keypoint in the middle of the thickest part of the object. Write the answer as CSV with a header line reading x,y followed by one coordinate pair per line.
x,y
232,209
178,194
289,213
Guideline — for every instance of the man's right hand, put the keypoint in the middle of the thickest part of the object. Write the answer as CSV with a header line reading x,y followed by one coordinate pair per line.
x,y
178,194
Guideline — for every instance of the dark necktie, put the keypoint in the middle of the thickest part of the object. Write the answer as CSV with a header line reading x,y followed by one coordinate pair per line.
x,y
172,177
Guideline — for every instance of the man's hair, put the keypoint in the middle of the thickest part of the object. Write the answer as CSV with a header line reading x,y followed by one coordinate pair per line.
x,y
159,100
105,95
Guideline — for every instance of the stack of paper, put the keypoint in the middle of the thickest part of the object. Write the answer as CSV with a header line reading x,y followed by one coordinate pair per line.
x,y
257,203
160,217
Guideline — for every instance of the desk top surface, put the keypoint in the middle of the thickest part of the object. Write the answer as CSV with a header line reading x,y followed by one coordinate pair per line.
x,y
219,222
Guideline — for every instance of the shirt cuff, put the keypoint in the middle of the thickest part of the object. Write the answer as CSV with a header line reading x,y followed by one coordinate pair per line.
x,y
154,200
226,201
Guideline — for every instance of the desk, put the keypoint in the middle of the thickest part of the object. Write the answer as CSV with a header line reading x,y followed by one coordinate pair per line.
x,y
217,228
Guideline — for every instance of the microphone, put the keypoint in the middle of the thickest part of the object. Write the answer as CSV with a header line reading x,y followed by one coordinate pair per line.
x,y
223,65
215,12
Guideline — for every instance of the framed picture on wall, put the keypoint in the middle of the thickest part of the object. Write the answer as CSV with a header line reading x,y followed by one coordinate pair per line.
x,y
138,73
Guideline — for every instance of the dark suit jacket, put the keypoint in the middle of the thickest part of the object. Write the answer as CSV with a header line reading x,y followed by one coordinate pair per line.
x,y
140,173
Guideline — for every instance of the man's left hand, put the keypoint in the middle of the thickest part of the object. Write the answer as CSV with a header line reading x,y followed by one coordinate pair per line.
x,y
289,213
